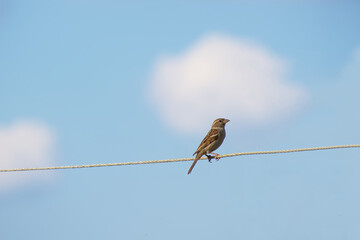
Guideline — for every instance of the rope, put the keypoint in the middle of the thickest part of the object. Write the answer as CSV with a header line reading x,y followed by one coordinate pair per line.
x,y
179,159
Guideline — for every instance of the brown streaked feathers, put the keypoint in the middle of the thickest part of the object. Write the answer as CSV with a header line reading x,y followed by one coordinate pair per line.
x,y
211,142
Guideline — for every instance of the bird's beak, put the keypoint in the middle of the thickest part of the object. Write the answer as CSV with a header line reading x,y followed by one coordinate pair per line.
x,y
227,120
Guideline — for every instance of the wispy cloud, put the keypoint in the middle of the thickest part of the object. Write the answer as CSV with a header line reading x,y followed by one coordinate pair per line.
x,y
25,144
222,76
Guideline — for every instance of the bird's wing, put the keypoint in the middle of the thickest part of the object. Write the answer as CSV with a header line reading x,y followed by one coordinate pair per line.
x,y
212,136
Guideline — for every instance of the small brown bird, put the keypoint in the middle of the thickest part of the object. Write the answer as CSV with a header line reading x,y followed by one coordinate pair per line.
x,y
211,142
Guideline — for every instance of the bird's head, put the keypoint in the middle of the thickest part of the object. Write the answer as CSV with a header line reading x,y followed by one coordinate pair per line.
x,y
220,122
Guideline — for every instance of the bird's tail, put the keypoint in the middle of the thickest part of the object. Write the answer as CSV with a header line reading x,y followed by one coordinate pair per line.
x,y
195,161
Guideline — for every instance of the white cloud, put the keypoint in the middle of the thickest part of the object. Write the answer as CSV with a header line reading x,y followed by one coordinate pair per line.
x,y
25,144
221,76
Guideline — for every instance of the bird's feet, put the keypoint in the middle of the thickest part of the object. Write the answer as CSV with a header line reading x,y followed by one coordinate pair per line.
x,y
209,157
216,156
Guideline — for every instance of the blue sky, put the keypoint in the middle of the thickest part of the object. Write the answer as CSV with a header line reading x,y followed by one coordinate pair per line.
x,y
85,82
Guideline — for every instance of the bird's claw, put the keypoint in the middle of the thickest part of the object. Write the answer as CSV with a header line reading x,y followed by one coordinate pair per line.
x,y
209,157
217,156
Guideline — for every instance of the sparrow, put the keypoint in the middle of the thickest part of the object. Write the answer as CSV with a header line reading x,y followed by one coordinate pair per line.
x,y
211,142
